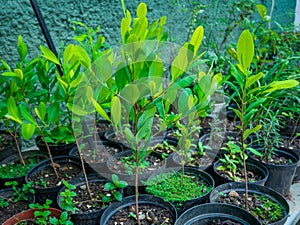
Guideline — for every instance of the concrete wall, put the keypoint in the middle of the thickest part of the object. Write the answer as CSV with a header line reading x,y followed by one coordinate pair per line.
x,y
17,17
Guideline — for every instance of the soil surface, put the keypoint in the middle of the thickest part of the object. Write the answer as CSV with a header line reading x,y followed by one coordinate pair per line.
x,y
239,175
101,154
148,214
259,205
275,160
47,178
152,163
82,201
13,207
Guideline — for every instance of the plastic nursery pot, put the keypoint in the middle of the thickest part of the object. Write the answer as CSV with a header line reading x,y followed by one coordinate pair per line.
x,y
19,176
157,160
91,216
14,207
183,205
56,150
96,160
10,148
281,176
111,135
255,167
103,126
68,168
209,212
28,215
151,201
253,189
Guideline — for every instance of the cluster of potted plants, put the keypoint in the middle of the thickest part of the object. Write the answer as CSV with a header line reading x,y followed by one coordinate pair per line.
x,y
118,132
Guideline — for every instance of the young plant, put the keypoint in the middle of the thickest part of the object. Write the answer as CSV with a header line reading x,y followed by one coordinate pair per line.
x,y
248,93
43,216
20,194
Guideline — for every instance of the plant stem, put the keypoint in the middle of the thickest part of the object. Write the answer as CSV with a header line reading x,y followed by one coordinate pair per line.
x,y
17,145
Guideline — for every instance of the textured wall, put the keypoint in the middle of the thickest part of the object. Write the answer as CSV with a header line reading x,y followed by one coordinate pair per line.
x,y
17,17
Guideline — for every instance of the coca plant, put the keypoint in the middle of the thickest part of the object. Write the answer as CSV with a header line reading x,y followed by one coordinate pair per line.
x,y
250,95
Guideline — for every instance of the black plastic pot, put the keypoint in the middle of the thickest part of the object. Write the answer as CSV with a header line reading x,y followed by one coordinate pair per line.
x,y
281,176
10,149
143,200
130,178
41,194
103,126
15,158
202,214
111,136
256,168
97,164
56,150
188,171
89,217
252,189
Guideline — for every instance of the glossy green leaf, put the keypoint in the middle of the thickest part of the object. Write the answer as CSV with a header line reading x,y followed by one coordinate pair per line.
x,y
251,80
13,112
142,10
115,110
83,56
19,73
77,110
130,94
284,84
196,38
245,50
42,110
48,54
262,10
251,131
26,115
68,53
27,130
118,196
180,63
99,109
22,48
109,186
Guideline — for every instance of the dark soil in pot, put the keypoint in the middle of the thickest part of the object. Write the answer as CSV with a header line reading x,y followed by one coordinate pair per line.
x,y
45,183
102,126
111,135
202,161
264,203
153,210
168,185
89,210
56,150
96,159
281,167
217,214
122,164
8,145
256,173
10,207
11,169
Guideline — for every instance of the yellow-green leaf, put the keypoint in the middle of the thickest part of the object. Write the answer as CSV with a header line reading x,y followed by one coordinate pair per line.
x,y
262,10
48,54
27,130
141,10
13,111
115,110
245,50
251,80
196,38
68,53
100,110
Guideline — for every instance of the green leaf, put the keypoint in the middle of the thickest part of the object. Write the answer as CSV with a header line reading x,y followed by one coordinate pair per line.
x,y
284,84
27,130
145,123
141,10
251,131
19,73
42,110
68,53
48,54
180,63
118,196
245,50
26,115
115,111
52,112
251,80
109,186
114,178
83,56
13,112
100,110
130,94
77,110
196,38
122,184
262,10
10,74
22,48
